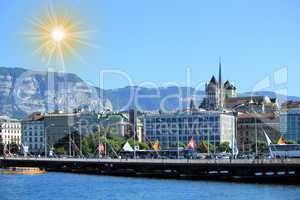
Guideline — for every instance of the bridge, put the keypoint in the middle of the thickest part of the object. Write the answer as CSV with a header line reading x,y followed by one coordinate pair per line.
x,y
283,171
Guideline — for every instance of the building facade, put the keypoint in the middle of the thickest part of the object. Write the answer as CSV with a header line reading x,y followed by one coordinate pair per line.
x,y
10,130
59,126
290,124
213,96
252,104
118,122
216,92
169,128
251,126
33,133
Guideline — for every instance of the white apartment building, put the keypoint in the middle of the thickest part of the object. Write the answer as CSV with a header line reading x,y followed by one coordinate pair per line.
x,y
10,130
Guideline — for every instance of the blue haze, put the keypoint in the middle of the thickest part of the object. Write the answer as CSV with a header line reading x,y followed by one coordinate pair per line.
x,y
156,40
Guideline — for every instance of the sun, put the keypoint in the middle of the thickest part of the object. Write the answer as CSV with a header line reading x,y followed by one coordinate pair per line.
x,y
58,36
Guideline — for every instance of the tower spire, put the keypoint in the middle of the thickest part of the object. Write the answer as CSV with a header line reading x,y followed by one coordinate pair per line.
x,y
220,85
220,73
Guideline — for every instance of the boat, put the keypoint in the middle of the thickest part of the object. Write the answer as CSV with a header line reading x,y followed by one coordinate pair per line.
x,y
22,170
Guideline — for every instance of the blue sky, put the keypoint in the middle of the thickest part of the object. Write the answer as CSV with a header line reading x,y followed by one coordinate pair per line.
x,y
157,40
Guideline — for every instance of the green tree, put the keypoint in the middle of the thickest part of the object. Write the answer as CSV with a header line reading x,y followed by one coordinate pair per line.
x,y
224,147
86,146
204,146
13,148
290,142
116,142
1,149
142,145
60,151
262,147
181,145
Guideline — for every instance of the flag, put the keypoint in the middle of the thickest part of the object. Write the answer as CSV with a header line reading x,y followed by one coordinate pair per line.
x,y
267,138
76,148
192,144
234,148
156,146
281,140
203,147
101,148
127,147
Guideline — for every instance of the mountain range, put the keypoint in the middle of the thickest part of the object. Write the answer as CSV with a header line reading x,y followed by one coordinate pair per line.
x,y
24,91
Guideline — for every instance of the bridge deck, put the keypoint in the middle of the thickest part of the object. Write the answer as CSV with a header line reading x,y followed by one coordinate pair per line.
x,y
295,161
269,170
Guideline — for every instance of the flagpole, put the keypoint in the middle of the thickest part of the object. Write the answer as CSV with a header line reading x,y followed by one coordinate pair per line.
x,y
98,141
70,147
208,150
134,152
256,149
177,144
214,143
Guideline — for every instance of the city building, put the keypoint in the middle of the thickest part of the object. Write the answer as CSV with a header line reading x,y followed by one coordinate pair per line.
x,y
123,123
214,93
219,96
290,104
255,104
61,125
33,133
229,90
86,122
10,130
57,126
250,125
169,128
116,121
290,124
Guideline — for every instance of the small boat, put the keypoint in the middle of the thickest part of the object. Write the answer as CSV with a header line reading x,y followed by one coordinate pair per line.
x,y
22,170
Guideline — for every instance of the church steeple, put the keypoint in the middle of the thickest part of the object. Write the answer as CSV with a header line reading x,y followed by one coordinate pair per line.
x,y
220,73
220,85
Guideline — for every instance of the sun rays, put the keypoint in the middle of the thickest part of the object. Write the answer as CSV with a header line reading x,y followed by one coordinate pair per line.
x,y
57,37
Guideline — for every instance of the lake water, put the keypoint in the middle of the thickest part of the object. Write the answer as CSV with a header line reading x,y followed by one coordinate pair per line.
x,y
67,186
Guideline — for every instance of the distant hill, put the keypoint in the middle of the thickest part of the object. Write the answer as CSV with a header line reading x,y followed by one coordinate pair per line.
x,y
281,98
24,91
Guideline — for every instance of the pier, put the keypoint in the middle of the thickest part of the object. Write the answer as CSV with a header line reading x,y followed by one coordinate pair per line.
x,y
283,171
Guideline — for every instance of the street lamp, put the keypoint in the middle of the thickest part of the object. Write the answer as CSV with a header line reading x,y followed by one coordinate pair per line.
x,y
45,139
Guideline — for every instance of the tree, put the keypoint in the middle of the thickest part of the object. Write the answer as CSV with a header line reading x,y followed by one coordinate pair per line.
x,y
262,147
290,142
65,141
224,147
144,146
13,148
204,146
1,149
60,151
86,147
114,142
141,145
